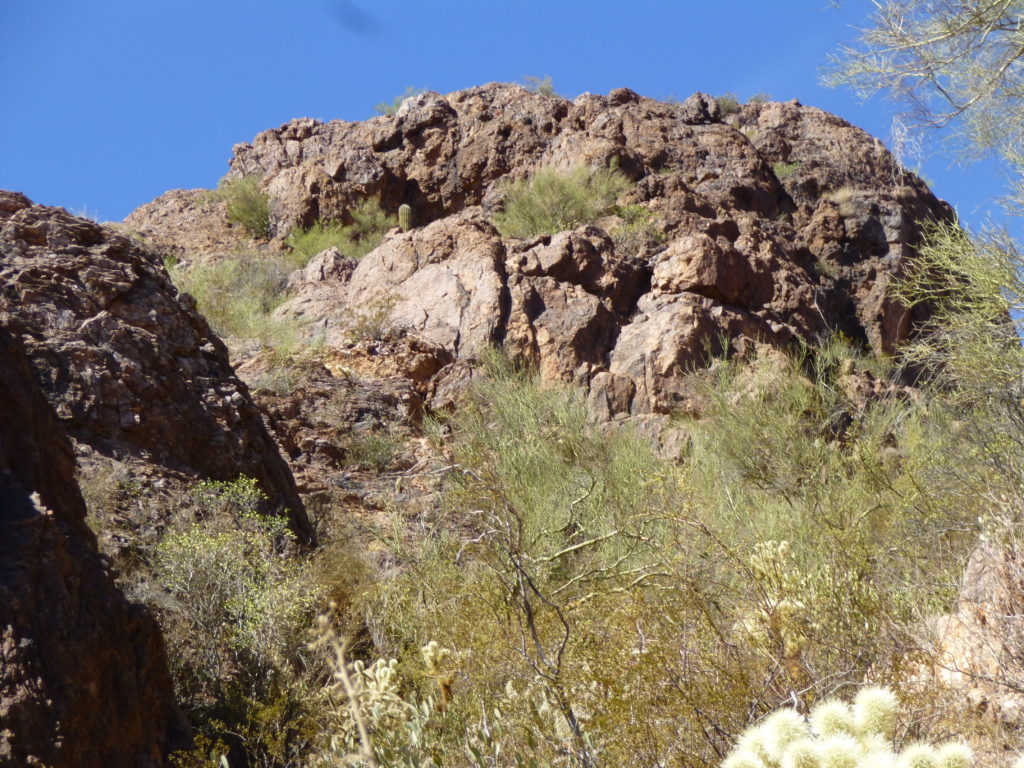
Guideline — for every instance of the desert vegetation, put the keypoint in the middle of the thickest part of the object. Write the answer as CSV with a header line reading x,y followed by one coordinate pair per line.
x,y
571,598
247,204
369,224
552,200
576,594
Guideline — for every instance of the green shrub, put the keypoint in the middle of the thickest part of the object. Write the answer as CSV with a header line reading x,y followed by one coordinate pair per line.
x,y
639,229
542,85
728,104
235,609
391,107
785,170
639,610
551,201
247,204
238,297
369,225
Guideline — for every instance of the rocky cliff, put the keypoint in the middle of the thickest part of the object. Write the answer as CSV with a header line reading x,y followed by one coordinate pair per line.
x,y
83,674
132,370
773,224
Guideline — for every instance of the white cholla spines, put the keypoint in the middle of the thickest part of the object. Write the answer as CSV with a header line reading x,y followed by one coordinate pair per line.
x,y
837,735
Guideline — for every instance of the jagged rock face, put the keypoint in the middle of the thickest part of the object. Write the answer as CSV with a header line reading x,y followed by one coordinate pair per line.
x,y
83,674
778,223
129,366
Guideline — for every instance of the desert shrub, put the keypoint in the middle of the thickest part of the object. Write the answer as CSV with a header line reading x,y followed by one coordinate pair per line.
x,y
238,297
371,319
728,104
542,85
558,543
619,609
374,450
235,608
368,227
247,204
639,229
391,107
785,170
551,200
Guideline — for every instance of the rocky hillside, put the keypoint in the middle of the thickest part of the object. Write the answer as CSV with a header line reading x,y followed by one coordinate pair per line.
x,y
133,371
774,223
739,233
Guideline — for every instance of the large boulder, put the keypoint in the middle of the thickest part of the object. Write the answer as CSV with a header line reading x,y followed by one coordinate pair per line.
x,y
84,681
132,370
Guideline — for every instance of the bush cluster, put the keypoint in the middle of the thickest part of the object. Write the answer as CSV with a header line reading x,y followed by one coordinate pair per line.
x,y
369,225
247,204
238,297
551,200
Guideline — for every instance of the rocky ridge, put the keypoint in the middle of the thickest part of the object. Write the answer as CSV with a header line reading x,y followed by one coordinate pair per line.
x,y
776,224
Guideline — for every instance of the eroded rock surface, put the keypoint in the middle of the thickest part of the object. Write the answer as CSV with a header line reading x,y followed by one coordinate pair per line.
x,y
84,681
129,366
979,645
777,224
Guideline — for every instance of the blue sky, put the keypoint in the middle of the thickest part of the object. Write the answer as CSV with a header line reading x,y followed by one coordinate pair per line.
x,y
106,104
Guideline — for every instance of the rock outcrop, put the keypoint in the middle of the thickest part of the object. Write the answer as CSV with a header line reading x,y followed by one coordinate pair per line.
x,y
83,674
978,647
130,367
777,224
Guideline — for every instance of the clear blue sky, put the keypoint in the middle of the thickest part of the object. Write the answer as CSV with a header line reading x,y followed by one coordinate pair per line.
x,y
108,103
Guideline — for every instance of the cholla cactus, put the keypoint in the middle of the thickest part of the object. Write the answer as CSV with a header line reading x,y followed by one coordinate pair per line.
x,y
435,659
405,217
783,618
836,735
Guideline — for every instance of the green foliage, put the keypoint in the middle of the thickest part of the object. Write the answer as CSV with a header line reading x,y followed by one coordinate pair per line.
x,y
621,591
235,608
639,229
391,107
551,201
247,204
950,62
368,227
975,290
785,170
728,104
542,85
374,450
238,297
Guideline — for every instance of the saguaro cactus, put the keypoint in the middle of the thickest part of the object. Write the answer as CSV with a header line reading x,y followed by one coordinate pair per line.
x,y
405,217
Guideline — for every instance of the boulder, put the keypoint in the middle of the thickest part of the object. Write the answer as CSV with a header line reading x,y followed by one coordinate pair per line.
x,y
84,681
130,367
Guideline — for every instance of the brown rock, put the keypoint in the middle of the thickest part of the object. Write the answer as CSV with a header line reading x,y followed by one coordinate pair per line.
x,y
672,335
978,646
83,673
778,223
186,223
129,366
444,281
